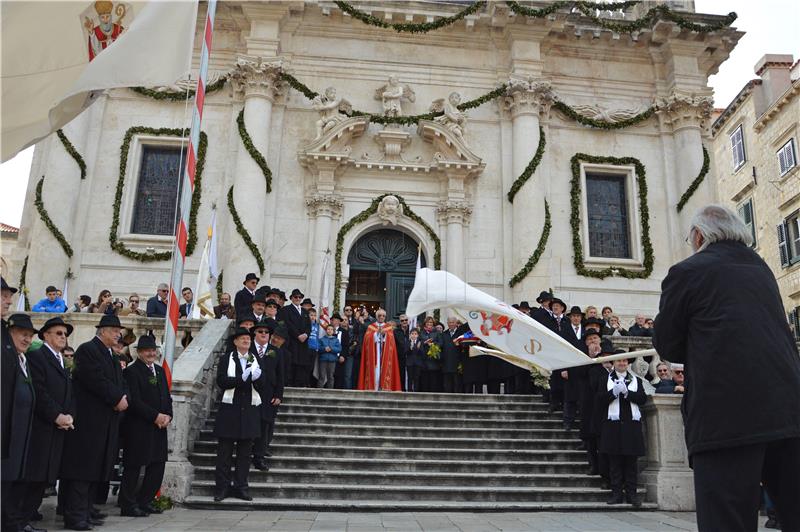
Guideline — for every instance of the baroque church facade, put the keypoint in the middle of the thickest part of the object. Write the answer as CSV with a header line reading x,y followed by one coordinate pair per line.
x,y
519,150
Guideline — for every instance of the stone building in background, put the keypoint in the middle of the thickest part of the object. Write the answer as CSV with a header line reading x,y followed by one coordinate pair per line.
x,y
347,202
756,170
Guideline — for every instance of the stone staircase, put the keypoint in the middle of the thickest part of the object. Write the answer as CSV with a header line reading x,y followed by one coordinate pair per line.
x,y
342,450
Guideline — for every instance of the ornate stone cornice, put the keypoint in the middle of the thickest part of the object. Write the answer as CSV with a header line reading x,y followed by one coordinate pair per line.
x,y
528,96
252,76
453,211
685,109
324,205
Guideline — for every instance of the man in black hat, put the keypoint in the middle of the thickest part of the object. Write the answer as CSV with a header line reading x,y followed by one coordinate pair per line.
x,y
543,314
53,412
573,379
18,408
267,348
525,307
298,324
144,431
5,311
238,420
258,305
90,451
245,296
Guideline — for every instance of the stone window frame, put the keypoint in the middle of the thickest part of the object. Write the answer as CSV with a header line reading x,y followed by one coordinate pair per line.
x,y
138,143
740,130
636,261
793,150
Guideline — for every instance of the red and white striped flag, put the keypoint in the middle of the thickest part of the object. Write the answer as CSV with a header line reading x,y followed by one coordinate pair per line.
x,y
324,297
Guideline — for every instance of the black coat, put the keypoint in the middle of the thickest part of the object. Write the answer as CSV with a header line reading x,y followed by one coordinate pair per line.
x,y
242,302
623,437
18,407
272,379
543,316
415,354
91,450
451,353
721,315
240,420
156,308
593,411
297,323
53,386
431,364
143,442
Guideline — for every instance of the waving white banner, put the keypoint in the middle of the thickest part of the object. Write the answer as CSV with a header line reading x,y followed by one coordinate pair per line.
x,y
516,337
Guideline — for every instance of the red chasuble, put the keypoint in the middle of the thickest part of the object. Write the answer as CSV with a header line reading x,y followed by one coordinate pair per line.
x,y
390,368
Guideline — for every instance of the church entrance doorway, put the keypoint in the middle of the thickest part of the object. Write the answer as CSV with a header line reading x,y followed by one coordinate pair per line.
x,y
382,267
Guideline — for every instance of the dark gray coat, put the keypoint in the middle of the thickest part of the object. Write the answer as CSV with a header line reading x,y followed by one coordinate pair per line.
x,y
143,442
721,315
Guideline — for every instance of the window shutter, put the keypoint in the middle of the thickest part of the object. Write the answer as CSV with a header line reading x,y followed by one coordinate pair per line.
x,y
782,243
794,319
782,160
791,156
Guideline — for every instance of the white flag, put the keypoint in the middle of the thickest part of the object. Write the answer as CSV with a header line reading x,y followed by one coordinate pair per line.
x,y
213,262
515,336
203,306
65,292
56,55
21,301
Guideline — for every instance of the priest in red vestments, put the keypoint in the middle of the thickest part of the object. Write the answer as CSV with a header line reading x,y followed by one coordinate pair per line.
x,y
380,369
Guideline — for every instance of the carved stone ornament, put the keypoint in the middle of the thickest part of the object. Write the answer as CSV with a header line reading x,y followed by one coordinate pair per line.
x,y
685,108
389,210
391,94
324,205
454,211
597,112
328,105
453,119
183,85
528,96
256,77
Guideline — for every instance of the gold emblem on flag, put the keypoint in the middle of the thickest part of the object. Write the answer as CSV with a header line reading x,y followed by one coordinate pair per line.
x,y
534,347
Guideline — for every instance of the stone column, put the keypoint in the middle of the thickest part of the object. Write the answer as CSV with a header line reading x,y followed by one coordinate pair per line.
x,y
527,100
260,84
323,208
454,215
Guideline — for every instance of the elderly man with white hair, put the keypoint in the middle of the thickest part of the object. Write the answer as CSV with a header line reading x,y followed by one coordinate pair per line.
x,y
721,315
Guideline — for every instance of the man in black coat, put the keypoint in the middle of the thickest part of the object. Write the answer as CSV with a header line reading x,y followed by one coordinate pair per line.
x,y
401,342
341,332
451,356
54,411
244,297
721,315
573,379
144,431
299,325
18,409
266,348
90,451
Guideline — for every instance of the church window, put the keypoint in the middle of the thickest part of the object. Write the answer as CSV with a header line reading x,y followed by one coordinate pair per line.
x,y
607,215
159,183
737,148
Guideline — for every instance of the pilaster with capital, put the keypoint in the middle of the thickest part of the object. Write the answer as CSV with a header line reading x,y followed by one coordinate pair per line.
x,y
455,215
259,83
323,208
527,101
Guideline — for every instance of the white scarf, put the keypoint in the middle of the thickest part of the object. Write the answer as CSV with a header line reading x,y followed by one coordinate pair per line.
x,y
613,407
227,396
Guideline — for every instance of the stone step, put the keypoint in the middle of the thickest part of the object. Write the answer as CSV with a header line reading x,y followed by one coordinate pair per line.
x,y
414,493
339,463
317,477
338,441
467,411
388,401
366,505
320,394
368,450
291,419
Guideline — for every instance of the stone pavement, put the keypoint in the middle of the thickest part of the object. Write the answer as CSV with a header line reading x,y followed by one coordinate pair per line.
x,y
182,519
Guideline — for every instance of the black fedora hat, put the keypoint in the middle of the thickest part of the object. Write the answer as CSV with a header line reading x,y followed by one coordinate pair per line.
x,y
259,298
272,302
556,300
6,287
240,331
575,310
595,321
336,316
524,305
250,276
52,322
297,293
263,290
21,321
307,301
281,331
109,321
268,324
146,342
248,316
544,296
591,332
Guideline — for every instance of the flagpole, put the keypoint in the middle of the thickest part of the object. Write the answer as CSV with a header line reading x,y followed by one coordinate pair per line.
x,y
181,233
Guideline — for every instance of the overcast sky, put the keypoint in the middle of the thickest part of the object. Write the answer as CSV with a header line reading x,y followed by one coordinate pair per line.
x,y
771,26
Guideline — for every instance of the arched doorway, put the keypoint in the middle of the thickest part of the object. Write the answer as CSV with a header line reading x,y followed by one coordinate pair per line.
x,y
382,267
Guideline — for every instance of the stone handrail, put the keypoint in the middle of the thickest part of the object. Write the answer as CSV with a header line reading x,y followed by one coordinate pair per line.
x,y
192,396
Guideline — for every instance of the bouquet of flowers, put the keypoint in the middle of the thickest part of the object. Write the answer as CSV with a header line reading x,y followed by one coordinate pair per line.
x,y
434,351
540,380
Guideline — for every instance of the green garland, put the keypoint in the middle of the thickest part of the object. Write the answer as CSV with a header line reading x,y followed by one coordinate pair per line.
x,y
652,15
537,254
253,151
113,240
575,220
243,232
409,27
696,183
219,286
602,124
298,86
72,152
362,217
177,96
23,288
39,203
530,169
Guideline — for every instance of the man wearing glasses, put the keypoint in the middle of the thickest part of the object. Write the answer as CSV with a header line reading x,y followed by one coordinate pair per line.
x,y
133,307
157,305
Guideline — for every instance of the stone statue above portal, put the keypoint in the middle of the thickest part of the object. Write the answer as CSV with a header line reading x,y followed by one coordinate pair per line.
x,y
391,94
329,107
453,118
390,209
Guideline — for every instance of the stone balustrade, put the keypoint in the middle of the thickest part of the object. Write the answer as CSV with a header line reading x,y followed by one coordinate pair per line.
x,y
193,376
84,327
640,366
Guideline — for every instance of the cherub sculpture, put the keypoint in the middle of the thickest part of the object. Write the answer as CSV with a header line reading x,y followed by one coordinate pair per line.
x,y
453,119
391,94
329,107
